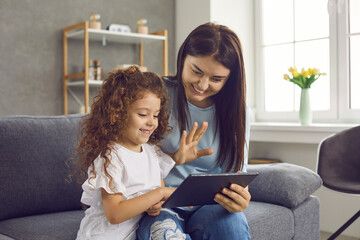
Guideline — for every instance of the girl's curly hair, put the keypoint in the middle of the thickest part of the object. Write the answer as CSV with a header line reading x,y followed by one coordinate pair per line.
x,y
109,115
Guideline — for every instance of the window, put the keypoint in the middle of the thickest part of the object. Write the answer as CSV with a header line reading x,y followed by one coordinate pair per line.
x,y
308,33
349,58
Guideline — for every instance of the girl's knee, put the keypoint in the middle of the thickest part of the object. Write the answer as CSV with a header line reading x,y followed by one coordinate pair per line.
x,y
166,229
167,225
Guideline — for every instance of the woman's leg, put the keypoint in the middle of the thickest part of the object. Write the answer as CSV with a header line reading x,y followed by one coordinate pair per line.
x,y
214,222
167,225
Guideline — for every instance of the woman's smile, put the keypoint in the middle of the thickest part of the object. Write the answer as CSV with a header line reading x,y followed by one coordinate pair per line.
x,y
197,90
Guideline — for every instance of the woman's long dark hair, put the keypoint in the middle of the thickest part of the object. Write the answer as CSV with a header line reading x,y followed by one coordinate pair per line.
x,y
230,103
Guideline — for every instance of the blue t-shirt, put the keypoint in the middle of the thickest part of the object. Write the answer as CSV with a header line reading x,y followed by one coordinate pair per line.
x,y
206,164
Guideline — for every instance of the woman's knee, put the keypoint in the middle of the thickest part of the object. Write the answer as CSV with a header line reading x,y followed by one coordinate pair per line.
x,y
214,221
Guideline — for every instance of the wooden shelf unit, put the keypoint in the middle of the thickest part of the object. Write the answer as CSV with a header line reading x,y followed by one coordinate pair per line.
x,y
83,32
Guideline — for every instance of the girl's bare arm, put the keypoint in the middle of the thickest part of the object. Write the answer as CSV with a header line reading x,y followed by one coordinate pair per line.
x,y
118,210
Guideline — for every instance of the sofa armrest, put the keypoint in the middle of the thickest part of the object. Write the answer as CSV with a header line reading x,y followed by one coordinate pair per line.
x,y
283,183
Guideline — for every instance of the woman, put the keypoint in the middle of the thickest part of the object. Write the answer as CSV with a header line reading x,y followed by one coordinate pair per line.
x,y
209,87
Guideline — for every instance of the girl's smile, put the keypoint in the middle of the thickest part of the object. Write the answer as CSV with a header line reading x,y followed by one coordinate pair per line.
x,y
143,121
146,132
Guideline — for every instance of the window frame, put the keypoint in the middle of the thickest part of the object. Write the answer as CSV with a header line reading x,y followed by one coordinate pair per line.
x,y
344,62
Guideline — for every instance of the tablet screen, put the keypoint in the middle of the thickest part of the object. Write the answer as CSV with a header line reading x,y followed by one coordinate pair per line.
x,y
200,189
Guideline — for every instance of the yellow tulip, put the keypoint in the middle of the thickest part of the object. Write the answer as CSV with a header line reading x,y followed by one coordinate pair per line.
x,y
317,71
303,71
286,76
312,71
292,69
295,73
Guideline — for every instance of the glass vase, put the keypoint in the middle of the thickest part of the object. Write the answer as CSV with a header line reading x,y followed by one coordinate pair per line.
x,y
305,114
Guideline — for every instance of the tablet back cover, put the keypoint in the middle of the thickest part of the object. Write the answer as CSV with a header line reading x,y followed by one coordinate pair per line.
x,y
200,189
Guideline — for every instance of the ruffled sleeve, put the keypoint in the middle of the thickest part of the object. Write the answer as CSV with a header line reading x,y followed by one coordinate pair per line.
x,y
92,186
166,163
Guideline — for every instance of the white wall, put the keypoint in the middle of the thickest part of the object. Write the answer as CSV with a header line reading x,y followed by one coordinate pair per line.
x,y
236,14
188,15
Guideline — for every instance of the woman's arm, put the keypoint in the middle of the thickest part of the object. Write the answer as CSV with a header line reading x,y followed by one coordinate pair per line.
x,y
118,210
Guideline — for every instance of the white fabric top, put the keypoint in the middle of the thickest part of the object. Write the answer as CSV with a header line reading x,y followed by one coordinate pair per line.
x,y
133,175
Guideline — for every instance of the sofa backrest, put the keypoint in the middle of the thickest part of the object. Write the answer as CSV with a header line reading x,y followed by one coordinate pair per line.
x,y
34,152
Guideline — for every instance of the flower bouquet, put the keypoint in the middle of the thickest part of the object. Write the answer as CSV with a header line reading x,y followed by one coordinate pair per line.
x,y
305,78
304,81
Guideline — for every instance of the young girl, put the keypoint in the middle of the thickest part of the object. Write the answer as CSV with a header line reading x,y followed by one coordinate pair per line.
x,y
119,155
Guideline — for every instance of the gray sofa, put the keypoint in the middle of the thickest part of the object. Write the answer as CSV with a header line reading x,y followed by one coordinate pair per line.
x,y
38,202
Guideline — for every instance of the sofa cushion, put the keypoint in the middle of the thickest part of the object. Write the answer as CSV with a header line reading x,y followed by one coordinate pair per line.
x,y
269,221
283,183
59,226
307,219
33,156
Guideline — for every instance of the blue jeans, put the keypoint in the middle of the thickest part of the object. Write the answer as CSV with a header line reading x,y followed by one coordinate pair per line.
x,y
211,222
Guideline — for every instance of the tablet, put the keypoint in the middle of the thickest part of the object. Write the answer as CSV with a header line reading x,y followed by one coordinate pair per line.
x,y
200,189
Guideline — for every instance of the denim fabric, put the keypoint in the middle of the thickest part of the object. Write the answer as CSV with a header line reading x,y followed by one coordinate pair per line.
x,y
167,225
211,222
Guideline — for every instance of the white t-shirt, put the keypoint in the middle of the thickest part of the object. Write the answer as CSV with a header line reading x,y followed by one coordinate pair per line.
x,y
133,175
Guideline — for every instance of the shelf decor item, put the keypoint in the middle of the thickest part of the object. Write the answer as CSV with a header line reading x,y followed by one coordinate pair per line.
x,y
95,21
119,28
304,80
91,69
141,26
97,70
